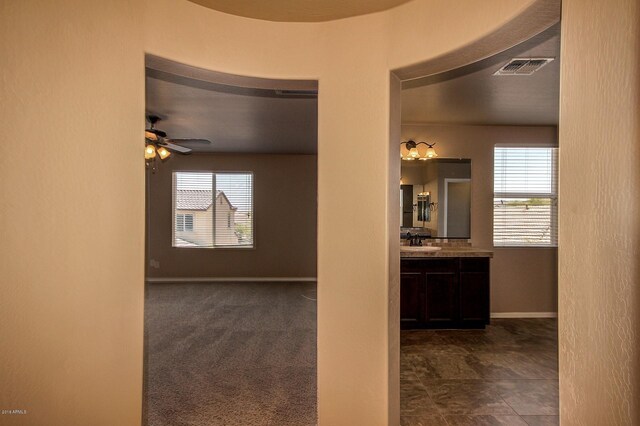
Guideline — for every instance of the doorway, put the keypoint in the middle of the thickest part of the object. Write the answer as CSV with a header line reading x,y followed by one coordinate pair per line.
x,y
457,208
474,349
230,295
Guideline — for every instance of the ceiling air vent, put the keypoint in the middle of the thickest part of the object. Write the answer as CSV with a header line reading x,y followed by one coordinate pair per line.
x,y
523,66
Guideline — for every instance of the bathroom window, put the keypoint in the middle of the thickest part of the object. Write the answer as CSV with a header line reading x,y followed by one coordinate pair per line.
x,y
525,199
213,210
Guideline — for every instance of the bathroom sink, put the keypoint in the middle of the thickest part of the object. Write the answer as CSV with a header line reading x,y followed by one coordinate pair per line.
x,y
420,248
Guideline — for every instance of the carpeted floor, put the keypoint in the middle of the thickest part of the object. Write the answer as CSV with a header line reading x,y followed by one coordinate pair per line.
x,y
230,354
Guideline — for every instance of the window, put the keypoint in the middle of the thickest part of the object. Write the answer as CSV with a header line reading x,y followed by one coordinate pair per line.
x,y
525,211
213,209
184,222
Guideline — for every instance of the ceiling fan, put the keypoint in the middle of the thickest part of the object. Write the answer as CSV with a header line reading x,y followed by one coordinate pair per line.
x,y
156,142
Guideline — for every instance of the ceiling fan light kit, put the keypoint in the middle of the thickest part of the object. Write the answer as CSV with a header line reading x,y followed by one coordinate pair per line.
x,y
158,145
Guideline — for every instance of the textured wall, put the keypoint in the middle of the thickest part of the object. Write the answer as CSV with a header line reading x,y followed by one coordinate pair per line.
x,y
72,282
351,58
522,279
599,259
285,219
393,191
71,212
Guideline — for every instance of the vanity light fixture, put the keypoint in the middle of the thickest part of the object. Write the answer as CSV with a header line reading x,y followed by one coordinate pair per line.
x,y
413,154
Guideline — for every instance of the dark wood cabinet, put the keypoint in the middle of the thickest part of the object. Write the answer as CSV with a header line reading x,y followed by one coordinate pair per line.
x,y
411,294
444,292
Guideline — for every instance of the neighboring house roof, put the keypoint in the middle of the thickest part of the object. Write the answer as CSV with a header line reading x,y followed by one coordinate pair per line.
x,y
197,199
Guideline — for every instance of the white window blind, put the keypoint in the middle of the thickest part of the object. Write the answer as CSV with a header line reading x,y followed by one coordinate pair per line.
x,y
525,211
212,209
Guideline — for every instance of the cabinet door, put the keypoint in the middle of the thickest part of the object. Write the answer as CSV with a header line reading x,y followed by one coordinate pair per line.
x,y
411,298
441,301
474,292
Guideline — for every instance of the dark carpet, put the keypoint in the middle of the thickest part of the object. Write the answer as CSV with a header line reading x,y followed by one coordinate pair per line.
x,y
230,354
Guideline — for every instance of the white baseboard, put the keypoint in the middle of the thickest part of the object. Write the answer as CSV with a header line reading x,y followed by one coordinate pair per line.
x,y
524,315
230,279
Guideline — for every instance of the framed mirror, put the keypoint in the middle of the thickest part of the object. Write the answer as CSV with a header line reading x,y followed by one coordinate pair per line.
x,y
436,197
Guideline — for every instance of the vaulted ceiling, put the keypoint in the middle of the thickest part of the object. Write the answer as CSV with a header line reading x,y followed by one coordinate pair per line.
x,y
473,95
234,119
244,120
299,10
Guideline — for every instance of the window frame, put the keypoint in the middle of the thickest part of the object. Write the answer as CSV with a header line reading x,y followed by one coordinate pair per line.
x,y
213,204
552,196
190,216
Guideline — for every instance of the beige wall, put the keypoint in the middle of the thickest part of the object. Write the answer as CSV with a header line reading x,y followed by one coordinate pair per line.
x,y
351,58
71,212
600,242
73,79
522,279
285,220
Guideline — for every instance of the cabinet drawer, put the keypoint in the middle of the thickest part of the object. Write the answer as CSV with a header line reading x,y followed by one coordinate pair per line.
x,y
429,265
474,264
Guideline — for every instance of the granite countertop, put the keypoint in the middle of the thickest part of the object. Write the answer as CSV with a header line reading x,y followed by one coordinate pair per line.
x,y
406,252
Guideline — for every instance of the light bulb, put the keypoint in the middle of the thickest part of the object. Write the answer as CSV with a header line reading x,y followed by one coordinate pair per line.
x,y
413,152
163,152
149,152
431,153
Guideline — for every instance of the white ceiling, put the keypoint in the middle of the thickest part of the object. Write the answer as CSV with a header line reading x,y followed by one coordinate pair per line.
x,y
236,120
299,10
473,95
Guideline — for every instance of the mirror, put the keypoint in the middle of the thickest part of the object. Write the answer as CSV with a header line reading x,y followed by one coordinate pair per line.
x,y
435,197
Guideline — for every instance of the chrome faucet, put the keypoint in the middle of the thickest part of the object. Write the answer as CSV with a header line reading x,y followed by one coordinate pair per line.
x,y
414,240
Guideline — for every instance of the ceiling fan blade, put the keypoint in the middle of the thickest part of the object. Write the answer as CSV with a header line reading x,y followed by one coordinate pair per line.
x,y
205,141
176,148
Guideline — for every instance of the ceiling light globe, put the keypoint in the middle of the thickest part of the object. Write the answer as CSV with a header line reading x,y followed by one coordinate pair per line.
x,y
163,152
149,152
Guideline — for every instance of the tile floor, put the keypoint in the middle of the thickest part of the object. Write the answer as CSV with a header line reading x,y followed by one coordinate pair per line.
x,y
504,375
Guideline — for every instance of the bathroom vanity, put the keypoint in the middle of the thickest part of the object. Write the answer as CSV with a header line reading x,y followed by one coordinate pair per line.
x,y
444,287
444,283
